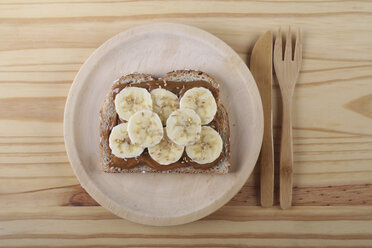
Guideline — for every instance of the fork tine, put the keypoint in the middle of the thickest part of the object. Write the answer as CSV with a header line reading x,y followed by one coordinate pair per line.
x,y
288,45
298,47
278,46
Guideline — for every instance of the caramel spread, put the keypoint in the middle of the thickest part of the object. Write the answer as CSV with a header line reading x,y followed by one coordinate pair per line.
x,y
178,88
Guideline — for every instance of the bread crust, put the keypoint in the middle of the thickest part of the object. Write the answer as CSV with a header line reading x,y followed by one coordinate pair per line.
x,y
107,117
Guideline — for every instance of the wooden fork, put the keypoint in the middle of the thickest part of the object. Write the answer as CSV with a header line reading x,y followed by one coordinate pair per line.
x,y
287,71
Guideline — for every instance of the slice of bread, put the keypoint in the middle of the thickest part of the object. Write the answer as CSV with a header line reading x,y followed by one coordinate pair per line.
x,y
108,121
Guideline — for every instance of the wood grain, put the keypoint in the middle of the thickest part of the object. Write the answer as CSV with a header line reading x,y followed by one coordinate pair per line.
x,y
93,226
44,43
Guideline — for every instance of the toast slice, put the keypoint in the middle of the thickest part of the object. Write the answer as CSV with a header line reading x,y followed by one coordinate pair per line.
x,y
108,120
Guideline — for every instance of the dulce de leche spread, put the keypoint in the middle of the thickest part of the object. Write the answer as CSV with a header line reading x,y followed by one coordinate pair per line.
x,y
178,88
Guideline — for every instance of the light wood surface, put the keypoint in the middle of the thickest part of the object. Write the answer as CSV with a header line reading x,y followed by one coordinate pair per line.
x,y
43,45
261,66
287,66
156,198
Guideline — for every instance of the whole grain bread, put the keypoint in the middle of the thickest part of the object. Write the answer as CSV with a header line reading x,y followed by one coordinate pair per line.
x,y
108,118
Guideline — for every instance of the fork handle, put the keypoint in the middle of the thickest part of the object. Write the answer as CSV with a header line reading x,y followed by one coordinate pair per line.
x,y
286,152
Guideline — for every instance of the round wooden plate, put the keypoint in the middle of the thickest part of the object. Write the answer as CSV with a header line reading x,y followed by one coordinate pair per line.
x,y
162,199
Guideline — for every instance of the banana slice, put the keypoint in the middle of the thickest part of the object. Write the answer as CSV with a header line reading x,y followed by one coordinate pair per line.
x,y
120,143
145,128
183,127
130,100
166,152
200,100
208,148
164,103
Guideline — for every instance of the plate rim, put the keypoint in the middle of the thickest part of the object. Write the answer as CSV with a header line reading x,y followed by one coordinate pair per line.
x,y
71,148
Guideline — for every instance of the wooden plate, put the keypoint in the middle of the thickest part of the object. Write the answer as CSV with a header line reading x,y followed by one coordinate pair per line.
x,y
162,199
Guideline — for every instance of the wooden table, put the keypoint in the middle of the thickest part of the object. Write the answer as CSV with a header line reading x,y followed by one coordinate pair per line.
x,y
44,43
